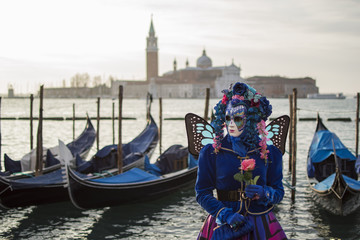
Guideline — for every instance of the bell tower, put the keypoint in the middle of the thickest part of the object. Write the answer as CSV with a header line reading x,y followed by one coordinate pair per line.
x,y
151,54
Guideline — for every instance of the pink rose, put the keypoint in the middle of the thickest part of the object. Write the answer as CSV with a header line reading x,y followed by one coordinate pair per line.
x,y
248,164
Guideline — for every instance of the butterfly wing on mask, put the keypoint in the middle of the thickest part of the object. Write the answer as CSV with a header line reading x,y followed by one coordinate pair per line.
x,y
277,132
201,133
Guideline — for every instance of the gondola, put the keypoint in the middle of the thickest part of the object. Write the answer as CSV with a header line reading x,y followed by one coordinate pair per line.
x,y
331,173
104,162
174,169
51,187
80,146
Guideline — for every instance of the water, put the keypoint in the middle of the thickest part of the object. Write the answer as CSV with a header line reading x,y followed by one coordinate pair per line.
x,y
176,216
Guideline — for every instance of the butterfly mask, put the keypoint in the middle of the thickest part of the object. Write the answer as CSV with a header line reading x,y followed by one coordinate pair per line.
x,y
235,119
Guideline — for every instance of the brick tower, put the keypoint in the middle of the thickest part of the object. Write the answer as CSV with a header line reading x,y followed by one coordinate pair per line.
x,y
152,67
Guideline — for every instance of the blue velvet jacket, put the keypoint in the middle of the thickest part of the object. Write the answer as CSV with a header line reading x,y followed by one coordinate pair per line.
x,y
216,171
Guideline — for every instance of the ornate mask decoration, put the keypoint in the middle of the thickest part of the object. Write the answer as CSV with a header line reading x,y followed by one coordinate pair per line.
x,y
235,119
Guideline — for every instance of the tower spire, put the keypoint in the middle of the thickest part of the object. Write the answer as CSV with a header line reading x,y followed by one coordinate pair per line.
x,y
152,29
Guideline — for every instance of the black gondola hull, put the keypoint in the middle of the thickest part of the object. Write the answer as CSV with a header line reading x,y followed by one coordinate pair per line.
x,y
342,207
340,199
33,196
85,194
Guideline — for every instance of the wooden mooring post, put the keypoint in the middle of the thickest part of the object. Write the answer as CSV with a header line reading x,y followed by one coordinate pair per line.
x,y
290,132
207,97
98,123
31,121
0,134
160,125
293,154
357,125
39,141
113,121
73,121
119,147
149,100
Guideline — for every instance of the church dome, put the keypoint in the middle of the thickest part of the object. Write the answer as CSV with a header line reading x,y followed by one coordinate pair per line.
x,y
204,61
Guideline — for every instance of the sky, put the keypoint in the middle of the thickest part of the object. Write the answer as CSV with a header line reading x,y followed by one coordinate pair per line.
x,y
49,41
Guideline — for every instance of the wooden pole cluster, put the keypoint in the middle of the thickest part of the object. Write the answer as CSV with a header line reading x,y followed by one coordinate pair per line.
x,y
293,142
207,97
290,132
31,122
357,125
98,123
73,121
113,121
160,125
39,141
119,147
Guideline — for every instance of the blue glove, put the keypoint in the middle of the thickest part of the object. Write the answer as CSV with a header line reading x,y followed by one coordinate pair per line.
x,y
230,217
235,220
225,232
254,192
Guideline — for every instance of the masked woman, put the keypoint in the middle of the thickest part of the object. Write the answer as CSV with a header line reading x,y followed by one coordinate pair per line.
x,y
245,172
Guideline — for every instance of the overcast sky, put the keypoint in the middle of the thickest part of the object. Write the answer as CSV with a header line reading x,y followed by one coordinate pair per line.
x,y
47,41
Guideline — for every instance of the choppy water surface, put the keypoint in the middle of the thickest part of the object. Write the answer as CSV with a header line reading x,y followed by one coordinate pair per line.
x,y
173,217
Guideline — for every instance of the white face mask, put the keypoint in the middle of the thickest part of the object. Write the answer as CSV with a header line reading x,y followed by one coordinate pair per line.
x,y
235,119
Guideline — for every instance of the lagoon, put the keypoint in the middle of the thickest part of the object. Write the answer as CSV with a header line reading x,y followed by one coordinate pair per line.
x,y
173,217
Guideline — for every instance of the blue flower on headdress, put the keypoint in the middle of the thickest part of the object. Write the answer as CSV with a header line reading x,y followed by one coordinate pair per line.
x,y
235,102
265,108
240,88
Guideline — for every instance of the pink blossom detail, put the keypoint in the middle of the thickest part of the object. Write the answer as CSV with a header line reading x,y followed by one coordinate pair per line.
x,y
261,126
248,164
263,155
217,144
238,97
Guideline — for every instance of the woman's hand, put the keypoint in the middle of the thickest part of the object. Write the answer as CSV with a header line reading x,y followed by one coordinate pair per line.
x,y
254,192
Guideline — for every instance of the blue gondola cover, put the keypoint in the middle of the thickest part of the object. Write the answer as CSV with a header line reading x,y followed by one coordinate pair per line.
x,y
131,176
55,177
328,182
322,147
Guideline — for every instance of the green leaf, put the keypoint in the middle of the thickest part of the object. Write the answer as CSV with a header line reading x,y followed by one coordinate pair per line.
x,y
239,177
256,179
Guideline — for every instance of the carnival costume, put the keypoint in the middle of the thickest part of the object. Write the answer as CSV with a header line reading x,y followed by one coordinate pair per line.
x,y
245,196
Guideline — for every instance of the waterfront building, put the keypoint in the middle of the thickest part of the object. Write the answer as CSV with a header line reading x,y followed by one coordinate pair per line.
x,y
276,86
189,82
